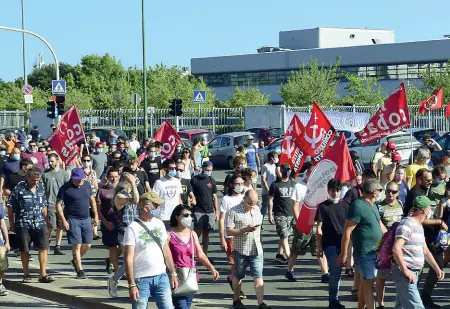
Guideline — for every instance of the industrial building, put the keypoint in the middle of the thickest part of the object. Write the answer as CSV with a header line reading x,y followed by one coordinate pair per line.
x,y
362,52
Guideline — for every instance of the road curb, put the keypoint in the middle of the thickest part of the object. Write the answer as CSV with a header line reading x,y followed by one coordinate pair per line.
x,y
56,296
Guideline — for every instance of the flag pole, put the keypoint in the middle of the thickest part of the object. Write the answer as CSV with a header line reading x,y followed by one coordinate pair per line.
x,y
411,137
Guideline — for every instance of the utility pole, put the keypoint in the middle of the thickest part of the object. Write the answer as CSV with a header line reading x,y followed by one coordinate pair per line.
x,y
144,72
24,60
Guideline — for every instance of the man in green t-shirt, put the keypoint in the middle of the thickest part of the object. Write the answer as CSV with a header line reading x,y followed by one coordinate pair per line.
x,y
364,225
437,189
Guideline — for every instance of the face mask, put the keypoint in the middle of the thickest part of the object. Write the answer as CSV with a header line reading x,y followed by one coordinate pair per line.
x,y
172,173
16,157
2,153
32,150
238,189
285,174
207,173
22,148
399,177
178,174
241,167
187,222
100,150
250,207
154,213
152,154
333,200
440,181
253,181
276,160
204,142
86,164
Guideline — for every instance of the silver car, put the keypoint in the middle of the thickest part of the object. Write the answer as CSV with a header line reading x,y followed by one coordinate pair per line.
x,y
223,147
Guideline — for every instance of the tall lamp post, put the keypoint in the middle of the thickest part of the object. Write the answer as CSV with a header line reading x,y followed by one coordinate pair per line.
x,y
24,60
144,72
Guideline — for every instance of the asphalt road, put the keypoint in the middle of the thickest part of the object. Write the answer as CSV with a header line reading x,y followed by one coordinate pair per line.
x,y
21,301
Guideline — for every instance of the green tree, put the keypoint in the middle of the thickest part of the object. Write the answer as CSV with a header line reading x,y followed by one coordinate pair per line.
x,y
246,96
363,91
435,79
414,95
313,83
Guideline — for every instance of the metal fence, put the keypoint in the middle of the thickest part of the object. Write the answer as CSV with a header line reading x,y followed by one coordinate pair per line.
x,y
13,118
434,119
219,120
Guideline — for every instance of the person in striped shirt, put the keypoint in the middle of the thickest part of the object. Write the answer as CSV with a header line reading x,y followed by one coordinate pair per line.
x,y
410,253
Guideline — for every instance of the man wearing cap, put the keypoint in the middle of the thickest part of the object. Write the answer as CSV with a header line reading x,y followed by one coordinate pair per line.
x,y
134,143
100,159
148,256
384,164
377,156
76,194
410,253
252,156
206,210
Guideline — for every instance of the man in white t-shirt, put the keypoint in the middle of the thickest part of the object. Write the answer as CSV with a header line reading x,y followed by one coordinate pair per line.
x,y
145,260
268,176
134,144
169,189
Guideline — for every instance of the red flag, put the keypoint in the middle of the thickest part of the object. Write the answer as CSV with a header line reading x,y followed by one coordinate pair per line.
x,y
447,110
290,153
68,134
169,138
142,157
336,164
391,117
319,133
433,102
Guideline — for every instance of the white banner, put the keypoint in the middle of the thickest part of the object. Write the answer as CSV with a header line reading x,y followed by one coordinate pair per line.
x,y
340,120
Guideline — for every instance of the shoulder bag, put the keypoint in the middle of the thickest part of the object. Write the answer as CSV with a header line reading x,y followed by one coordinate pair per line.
x,y
187,276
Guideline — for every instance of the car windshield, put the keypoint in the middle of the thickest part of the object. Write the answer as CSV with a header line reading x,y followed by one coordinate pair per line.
x,y
200,136
275,132
243,139
432,132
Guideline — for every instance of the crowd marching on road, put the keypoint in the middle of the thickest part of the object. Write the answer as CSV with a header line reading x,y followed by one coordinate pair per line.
x,y
159,213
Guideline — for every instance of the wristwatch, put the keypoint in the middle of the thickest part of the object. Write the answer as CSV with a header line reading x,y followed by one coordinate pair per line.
x,y
173,275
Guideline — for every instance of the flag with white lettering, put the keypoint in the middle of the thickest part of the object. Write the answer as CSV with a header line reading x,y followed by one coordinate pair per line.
x,y
290,152
167,136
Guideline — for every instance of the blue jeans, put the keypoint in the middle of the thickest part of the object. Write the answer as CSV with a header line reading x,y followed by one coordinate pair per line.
x,y
264,204
241,262
158,287
332,253
182,302
366,266
408,296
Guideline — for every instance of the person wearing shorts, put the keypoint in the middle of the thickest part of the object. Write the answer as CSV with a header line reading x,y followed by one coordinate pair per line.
x,y
76,194
364,225
206,210
244,224
29,205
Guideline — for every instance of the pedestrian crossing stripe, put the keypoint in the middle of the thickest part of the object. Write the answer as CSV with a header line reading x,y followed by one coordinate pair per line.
x,y
199,98
59,88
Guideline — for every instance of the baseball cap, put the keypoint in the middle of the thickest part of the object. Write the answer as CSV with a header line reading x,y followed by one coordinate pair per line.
x,y
99,145
78,173
391,145
396,157
250,137
148,197
207,163
422,202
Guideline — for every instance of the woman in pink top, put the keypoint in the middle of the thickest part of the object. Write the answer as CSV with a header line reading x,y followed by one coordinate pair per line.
x,y
181,239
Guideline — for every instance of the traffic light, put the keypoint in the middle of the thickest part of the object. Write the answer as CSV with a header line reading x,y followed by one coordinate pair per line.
x,y
51,109
60,101
176,107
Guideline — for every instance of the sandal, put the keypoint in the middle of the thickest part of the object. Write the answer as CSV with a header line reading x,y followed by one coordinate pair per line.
x,y
355,293
47,279
26,279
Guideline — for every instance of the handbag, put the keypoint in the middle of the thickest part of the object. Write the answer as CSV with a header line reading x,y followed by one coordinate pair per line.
x,y
186,276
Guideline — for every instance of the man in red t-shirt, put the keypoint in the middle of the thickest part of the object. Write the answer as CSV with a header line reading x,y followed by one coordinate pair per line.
x,y
38,158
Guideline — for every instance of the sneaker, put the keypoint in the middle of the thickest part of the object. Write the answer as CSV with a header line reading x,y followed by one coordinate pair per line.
x,y
242,295
16,253
289,275
335,304
428,303
112,287
58,251
325,278
279,258
81,274
30,258
237,304
3,291
264,306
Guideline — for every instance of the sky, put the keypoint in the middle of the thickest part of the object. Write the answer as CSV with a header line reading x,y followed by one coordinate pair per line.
x,y
179,30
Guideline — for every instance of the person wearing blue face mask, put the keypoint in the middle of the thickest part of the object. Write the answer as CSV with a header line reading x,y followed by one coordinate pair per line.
x,y
169,189
152,164
206,210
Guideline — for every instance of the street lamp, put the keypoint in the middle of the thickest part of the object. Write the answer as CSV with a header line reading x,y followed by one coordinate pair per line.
x,y
144,71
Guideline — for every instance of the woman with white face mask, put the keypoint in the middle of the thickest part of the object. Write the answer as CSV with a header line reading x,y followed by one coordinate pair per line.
x,y
182,240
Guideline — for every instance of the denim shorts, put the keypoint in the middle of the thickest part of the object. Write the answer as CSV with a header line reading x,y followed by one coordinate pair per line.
x,y
366,266
80,231
241,262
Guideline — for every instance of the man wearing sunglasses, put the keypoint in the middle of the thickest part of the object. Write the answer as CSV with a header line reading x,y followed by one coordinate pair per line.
x,y
364,225
391,211
38,158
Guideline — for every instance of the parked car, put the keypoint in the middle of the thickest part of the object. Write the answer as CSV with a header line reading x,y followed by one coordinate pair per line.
x,y
6,130
192,134
349,134
418,133
401,139
186,143
267,134
223,147
274,146
444,142
103,133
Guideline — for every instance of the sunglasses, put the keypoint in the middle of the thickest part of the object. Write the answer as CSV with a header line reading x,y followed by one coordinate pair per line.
x,y
392,191
186,215
86,160
379,190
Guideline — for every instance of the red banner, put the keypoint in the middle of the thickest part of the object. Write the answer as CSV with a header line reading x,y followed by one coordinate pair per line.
x,y
447,110
390,118
167,136
318,134
68,134
336,164
290,153
434,102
